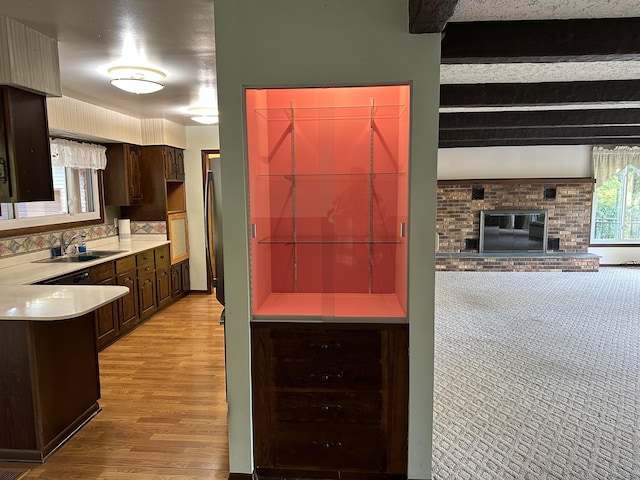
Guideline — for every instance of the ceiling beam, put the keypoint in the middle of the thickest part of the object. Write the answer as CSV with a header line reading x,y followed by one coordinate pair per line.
x,y
430,16
544,118
593,135
537,41
550,93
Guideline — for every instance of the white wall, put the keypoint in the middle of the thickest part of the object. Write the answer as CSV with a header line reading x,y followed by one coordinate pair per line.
x,y
514,162
198,139
329,42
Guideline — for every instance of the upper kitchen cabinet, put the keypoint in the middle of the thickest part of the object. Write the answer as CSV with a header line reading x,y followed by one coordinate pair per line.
x,y
162,191
25,155
122,175
173,159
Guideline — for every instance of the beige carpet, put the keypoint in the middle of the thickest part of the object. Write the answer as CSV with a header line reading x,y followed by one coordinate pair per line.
x,y
537,375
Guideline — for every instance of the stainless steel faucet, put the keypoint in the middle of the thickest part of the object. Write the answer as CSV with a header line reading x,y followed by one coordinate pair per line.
x,y
64,245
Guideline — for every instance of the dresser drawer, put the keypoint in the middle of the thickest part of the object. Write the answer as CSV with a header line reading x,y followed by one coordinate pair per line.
x,y
360,408
333,447
336,344
328,375
145,258
126,264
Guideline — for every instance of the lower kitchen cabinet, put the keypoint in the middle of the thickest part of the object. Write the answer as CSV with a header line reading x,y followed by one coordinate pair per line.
x,y
180,282
163,287
176,280
147,296
128,305
153,284
107,316
330,400
186,279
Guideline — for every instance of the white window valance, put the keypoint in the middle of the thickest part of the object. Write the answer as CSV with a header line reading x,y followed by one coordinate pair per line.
x,y
608,161
65,153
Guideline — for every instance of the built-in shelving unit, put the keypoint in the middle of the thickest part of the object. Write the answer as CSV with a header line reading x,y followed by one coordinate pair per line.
x,y
328,201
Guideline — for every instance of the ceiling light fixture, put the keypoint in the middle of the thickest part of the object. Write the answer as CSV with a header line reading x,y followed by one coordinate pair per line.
x,y
204,115
137,79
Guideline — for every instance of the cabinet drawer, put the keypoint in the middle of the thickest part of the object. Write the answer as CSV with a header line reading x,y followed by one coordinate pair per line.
x,y
360,408
333,447
162,257
331,344
102,272
146,269
126,264
328,375
144,258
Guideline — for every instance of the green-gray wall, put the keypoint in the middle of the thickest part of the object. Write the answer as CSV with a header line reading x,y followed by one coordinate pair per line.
x,y
326,42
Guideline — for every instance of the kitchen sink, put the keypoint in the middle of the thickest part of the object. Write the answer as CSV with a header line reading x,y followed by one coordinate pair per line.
x,y
80,257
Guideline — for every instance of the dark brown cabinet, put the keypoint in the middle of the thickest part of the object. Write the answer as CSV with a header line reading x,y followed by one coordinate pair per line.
x,y
122,183
180,281
147,292
50,384
128,305
24,147
158,167
186,276
330,399
107,317
163,275
147,295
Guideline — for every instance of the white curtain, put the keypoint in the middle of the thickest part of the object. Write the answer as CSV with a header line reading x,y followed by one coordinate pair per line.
x,y
608,161
65,153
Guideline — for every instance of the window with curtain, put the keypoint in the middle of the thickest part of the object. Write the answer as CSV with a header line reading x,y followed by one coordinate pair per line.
x,y
616,201
75,184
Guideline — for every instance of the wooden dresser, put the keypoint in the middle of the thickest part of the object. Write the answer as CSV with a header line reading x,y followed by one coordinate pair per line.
x,y
330,399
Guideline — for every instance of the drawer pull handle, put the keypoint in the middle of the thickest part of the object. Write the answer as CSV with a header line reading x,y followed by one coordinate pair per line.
x,y
326,345
325,377
326,408
326,444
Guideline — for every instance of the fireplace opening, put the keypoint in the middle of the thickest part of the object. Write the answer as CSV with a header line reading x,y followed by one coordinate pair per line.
x,y
513,231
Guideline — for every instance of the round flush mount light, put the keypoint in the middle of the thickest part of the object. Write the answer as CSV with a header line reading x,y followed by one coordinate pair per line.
x,y
204,115
136,79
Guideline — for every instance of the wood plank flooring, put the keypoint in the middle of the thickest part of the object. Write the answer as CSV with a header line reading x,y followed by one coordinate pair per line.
x,y
164,413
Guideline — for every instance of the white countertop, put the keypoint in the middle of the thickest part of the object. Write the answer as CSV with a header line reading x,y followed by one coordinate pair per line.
x,y
20,270
20,300
54,302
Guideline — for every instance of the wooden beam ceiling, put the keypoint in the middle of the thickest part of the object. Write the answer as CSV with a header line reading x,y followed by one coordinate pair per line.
x,y
589,126
549,93
603,39
539,41
430,16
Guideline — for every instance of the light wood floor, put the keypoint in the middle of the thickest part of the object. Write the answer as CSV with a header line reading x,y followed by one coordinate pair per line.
x,y
164,414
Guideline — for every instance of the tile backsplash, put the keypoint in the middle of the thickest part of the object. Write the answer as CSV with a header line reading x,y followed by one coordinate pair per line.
x,y
43,241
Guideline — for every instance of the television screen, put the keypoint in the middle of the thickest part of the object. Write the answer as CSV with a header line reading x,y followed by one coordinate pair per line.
x,y
513,231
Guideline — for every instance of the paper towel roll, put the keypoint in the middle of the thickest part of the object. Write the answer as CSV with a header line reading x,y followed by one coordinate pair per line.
x,y
124,229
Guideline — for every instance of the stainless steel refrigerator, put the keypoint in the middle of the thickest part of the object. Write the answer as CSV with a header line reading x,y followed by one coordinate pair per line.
x,y
213,229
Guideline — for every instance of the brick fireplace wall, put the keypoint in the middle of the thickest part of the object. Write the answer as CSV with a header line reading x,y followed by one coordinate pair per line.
x,y
458,214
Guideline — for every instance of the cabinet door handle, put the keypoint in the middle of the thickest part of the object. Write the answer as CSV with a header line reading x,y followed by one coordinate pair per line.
x,y
325,444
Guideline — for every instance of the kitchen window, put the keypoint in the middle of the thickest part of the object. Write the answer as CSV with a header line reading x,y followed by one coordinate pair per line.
x,y
76,189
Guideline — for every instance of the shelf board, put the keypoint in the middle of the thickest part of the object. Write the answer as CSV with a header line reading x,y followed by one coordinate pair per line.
x,y
318,240
329,305
332,113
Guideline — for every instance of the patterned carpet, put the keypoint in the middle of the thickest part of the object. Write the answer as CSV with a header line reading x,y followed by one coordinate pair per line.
x,y
537,376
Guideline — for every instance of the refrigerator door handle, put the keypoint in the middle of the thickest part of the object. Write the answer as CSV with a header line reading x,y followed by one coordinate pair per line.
x,y
208,224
